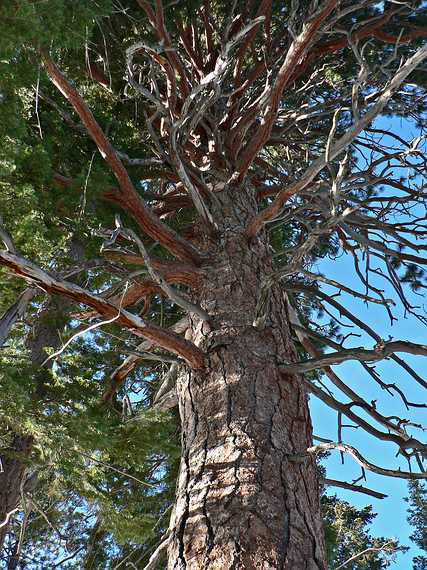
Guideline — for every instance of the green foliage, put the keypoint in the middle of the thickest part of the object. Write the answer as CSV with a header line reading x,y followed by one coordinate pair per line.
x,y
347,534
45,23
418,519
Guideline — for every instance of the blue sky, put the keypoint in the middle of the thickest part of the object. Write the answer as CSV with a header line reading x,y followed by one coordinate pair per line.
x,y
391,520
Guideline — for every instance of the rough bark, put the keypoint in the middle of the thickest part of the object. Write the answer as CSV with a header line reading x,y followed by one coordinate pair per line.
x,y
241,502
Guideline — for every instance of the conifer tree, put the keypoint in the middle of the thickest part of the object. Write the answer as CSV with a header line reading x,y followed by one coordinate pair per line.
x,y
238,146
418,519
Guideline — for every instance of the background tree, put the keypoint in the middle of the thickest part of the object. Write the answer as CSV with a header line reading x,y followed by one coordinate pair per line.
x,y
418,519
257,155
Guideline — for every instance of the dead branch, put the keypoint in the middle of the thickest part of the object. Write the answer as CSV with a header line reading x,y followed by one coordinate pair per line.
x,y
166,339
339,146
364,462
381,351
351,487
129,197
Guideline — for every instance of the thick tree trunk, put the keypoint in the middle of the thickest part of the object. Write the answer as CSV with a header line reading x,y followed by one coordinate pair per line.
x,y
241,502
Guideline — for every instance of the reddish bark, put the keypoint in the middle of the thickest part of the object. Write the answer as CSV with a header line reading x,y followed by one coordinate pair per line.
x,y
166,339
129,197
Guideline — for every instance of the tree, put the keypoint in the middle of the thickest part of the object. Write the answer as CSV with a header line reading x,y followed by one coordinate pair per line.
x,y
418,519
257,155
347,537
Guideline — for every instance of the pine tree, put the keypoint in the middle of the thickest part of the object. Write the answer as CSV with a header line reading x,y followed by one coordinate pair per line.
x,y
249,126
418,519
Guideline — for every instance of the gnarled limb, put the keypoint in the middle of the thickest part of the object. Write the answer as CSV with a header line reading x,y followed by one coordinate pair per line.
x,y
381,351
340,145
166,339
129,197
321,447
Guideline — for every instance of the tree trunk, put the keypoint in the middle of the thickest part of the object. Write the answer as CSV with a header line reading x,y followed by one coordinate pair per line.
x,y
241,502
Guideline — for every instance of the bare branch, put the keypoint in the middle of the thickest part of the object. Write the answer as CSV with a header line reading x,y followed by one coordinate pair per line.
x,y
166,339
381,351
274,209
351,487
173,295
321,447
387,546
14,313
272,97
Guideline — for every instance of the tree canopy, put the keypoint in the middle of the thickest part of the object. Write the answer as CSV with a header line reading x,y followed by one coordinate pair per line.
x,y
134,135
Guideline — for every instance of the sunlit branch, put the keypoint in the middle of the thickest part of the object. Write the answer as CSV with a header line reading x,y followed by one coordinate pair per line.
x,y
356,488
322,447
381,351
129,197
166,339
132,361
340,145
403,442
271,99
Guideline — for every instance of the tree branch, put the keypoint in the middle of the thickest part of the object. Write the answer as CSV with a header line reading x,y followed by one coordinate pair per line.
x,y
381,351
272,98
370,549
166,339
157,554
351,487
274,209
321,447
129,197
132,361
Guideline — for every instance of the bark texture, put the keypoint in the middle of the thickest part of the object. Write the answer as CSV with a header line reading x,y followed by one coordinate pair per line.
x,y
241,503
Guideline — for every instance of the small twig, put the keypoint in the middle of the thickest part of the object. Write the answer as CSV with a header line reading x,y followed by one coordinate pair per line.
x,y
115,469
86,330
352,487
371,549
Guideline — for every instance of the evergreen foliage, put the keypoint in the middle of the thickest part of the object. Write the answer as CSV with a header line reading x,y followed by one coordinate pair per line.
x,y
418,519
104,473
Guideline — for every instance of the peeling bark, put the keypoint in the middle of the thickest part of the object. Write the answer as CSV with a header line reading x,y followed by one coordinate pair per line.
x,y
241,503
